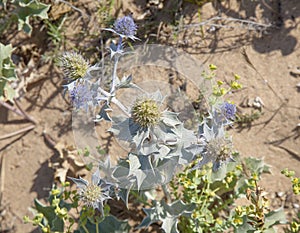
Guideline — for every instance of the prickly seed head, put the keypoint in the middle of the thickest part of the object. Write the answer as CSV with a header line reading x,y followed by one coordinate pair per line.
x,y
145,112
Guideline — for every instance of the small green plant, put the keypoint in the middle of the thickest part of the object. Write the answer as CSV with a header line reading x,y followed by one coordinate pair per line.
x,y
214,195
246,119
7,73
22,11
294,180
104,12
294,226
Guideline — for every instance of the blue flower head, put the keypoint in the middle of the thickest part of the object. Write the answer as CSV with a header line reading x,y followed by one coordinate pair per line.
x,y
228,110
81,94
125,26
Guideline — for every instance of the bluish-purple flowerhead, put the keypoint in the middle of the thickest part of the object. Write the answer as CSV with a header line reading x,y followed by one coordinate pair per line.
x,y
81,95
125,26
228,110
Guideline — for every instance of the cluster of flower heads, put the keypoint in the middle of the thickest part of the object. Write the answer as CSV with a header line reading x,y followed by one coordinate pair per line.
x,y
76,69
152,132
214,145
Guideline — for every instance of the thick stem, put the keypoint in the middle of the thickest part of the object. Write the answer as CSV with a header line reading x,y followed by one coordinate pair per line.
x,y
114,75
121,106
97,227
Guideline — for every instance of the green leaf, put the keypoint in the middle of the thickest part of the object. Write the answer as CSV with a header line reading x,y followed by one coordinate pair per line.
x,y
47,211
275,217
26,9
57,225
7,72
257,165
246,227
109,224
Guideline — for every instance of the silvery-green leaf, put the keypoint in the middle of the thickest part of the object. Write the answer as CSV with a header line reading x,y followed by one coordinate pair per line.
x,y
219,174
275,217
185,157
125,82
167,168
195,149
96,177
154,214
139,138
170,118
124,194
167,213
177,208
140,167
81,183
121,170
121,129
257,165
164,150
134,163
157,96
170,225
148,148
188,137
245,227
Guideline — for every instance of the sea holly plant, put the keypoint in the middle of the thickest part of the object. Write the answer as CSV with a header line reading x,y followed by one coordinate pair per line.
x,y
187,179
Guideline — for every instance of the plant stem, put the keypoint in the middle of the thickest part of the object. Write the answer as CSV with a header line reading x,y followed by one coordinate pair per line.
x,y
97,227
85,229
114,76
120,105
166,192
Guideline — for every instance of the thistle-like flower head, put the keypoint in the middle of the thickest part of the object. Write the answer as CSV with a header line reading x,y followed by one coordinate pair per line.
x,y
145,112
228,110
94,194
217,148
81,94
74,65
125,26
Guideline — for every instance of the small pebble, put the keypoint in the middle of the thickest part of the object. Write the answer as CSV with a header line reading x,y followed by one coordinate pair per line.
x,y
279,194
296,206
